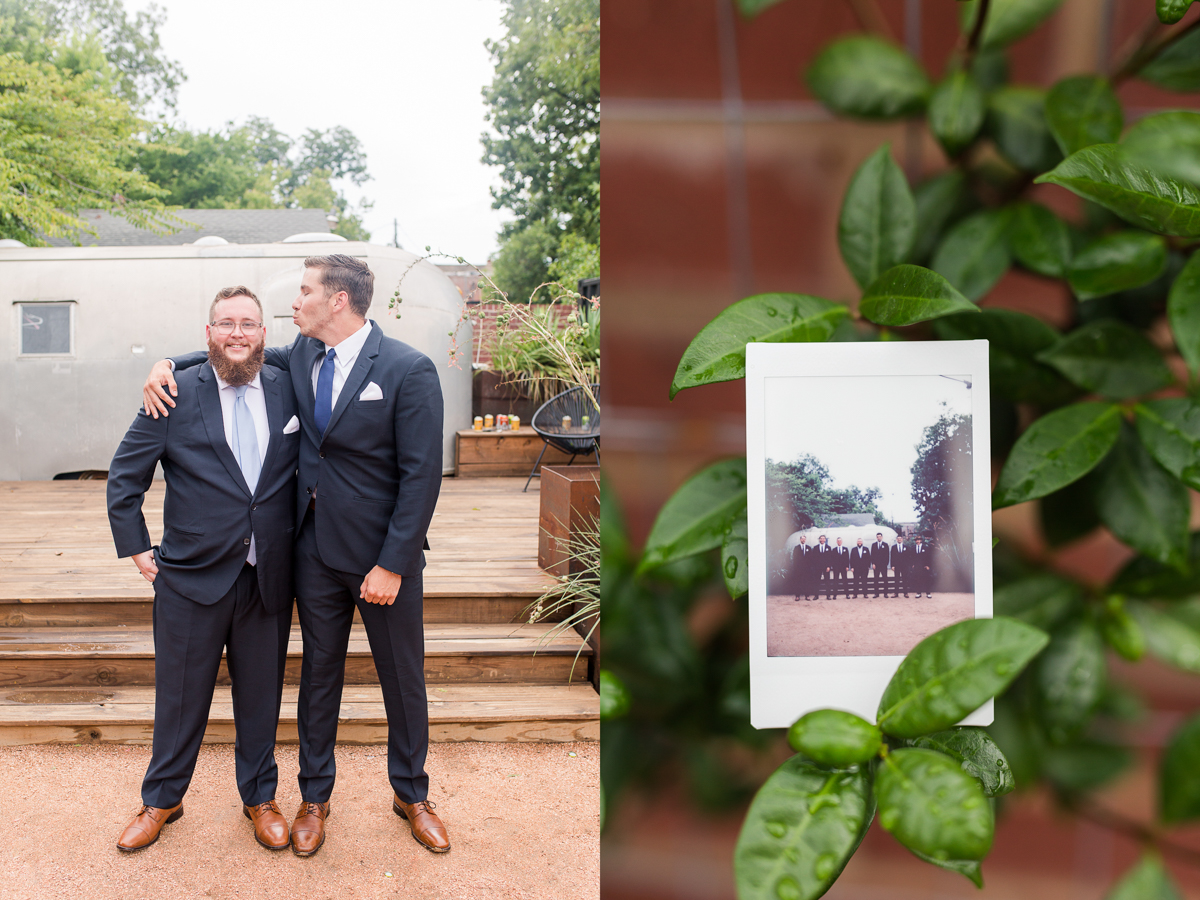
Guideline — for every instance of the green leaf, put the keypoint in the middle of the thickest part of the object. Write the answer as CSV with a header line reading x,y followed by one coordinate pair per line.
x,y
1183,311
953,672
735,555
1008,20
1177,68
1145,577
1040,240
1148,880
868,77
1179,774
1041,600
940,201
1120,631
800,831
977,754
1105,174
974,254
718,352
1142,504
1070,679
1168,142
751,8
1170,430
907,294
956,112
1167,638
1082,111
696,517
1117,262
1110,358
1016,121
879,218
1015,339
1055,450
932,806
1084,765
1069,513
1171,11
614,696
971,869
835,738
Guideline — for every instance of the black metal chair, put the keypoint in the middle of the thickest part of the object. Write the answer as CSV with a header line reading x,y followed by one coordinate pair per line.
x,y
577,438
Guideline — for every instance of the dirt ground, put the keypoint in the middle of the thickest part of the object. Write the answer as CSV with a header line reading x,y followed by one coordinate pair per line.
x,y
523,821
861,627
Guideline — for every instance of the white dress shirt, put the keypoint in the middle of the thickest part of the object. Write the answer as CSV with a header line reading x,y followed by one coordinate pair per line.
x,y
343,363
256,401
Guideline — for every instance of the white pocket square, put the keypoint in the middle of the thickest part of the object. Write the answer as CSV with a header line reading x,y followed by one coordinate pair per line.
x,y
371,392
292,426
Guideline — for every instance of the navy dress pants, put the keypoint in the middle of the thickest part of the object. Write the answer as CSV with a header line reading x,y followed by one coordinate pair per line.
x,y
188,640
325,601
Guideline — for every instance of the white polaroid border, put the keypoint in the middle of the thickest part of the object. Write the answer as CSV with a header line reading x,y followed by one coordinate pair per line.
x,y
784,688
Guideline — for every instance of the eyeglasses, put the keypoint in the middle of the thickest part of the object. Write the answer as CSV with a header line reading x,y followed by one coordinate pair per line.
x,y
227,327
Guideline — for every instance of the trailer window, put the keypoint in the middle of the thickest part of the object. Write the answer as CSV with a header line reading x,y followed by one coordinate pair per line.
x,y
45,329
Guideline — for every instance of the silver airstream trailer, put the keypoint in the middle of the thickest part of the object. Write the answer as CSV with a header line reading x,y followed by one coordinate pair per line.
x,y
81,327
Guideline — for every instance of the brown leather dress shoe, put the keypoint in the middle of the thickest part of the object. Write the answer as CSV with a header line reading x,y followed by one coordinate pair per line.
x,y
270,827
308,828
427,828
143,830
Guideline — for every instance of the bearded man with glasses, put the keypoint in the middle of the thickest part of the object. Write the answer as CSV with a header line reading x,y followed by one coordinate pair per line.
x,y
222,574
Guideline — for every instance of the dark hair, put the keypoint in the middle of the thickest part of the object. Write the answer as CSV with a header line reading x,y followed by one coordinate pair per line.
x,y
879,534
340,272
238,290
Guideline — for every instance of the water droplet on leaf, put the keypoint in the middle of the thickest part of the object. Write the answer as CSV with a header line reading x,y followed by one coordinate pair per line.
x,y
824,866
787,888
777,829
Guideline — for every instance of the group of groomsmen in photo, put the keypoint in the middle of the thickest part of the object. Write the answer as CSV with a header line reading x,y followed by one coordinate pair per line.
x,y
835,569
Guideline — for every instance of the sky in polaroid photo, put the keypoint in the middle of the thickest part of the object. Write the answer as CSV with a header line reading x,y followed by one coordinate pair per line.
x,y
865,429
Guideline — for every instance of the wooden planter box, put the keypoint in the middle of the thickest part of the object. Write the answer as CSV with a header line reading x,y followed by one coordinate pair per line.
x,y
492,453
570,504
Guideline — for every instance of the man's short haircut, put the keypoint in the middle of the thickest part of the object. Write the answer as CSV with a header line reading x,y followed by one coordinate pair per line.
x,y
238,290
820,537
879,534
339,272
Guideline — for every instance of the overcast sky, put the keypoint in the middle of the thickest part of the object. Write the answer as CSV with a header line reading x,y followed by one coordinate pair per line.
x,y
404,76
865,429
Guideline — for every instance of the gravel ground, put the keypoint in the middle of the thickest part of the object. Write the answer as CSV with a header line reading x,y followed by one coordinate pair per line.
x,y
523,821
861,627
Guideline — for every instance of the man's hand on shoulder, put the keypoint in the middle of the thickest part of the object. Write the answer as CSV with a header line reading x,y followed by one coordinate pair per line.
x,y
145,563
380,586
155,398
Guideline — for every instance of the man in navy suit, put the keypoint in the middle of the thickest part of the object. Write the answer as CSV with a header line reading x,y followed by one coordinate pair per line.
x,y
801,569
222,575
881,553
370,472
901,559
860,562
840,568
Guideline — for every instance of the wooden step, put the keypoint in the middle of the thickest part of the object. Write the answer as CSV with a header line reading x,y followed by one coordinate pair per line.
x,y
110,657
507,608
457,712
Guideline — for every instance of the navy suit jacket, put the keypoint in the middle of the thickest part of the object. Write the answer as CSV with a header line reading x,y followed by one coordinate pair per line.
x,y
210,512
377,469
881,554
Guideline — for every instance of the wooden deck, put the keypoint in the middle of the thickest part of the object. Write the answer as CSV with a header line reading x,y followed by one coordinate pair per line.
x,y
74,618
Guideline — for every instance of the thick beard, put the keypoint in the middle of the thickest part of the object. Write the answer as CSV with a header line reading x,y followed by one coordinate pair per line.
x,y
232,372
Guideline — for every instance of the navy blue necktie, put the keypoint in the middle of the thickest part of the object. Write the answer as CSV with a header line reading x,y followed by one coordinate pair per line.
x,y
325,391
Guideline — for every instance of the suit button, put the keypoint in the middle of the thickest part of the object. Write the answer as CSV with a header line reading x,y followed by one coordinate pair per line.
x,y
246,541
308,490
253,508
321,454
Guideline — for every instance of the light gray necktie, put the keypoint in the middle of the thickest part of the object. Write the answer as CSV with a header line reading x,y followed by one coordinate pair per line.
x,y
245,439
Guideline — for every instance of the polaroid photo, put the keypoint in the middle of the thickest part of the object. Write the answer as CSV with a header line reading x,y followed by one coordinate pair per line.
x,y
869,502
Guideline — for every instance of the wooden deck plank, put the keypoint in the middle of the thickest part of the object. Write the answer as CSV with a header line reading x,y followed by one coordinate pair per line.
x,y
55,543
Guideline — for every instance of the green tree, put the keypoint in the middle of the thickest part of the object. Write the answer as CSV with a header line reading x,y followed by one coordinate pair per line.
x,y
941,490
256,166
924,255
97,36
63,143
544,108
